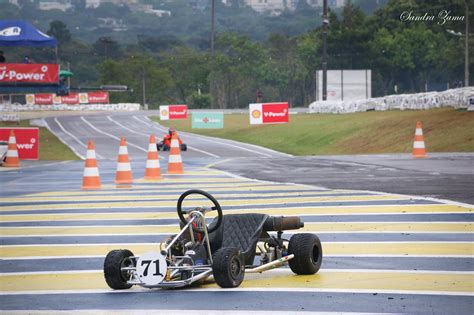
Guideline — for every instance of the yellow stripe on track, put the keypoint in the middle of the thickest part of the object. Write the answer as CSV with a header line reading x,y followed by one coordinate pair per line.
x,y
405,209
344,280
428,227
252,186
329,248
171,196
224,203
334,227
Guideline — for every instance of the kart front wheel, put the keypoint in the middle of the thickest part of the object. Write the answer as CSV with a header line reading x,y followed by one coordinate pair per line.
x,y
115,260
228,267
308,253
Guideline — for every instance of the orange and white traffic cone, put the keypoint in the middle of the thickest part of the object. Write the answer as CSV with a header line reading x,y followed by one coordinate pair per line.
x,y
175,163
419,150
152,170
124,170
12,159
91,178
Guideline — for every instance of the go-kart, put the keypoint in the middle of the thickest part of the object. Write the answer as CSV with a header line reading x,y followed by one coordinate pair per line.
x,y
161,146
225,248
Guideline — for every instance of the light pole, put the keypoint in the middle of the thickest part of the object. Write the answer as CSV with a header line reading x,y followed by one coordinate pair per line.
x,y
466,48
324,58
466,45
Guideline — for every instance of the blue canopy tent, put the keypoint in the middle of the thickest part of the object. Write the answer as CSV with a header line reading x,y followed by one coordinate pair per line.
x,y
16,33
22,33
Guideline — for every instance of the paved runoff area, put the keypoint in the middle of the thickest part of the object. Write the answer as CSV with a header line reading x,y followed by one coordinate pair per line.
x,y
382,252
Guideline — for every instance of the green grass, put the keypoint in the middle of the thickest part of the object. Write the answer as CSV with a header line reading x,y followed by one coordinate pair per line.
x,y
50,149
445,130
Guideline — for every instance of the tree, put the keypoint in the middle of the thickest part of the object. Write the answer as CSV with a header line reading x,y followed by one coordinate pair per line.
x,y
107,47
59,30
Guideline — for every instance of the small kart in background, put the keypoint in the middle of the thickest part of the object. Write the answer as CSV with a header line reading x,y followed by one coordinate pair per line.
x,y
225,249
161,146
165,144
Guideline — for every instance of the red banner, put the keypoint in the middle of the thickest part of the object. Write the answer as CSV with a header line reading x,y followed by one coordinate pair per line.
x,y
99,97
27,141
178,111
268,113
71,99
43,99
29,73
275,113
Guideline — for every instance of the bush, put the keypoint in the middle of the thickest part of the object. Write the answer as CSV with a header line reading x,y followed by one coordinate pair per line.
x,y
202,100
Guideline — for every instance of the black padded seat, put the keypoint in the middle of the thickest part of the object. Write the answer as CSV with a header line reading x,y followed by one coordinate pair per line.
x,y
241,231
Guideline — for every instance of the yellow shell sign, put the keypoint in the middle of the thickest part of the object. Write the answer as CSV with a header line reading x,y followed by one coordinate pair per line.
x,y
256,114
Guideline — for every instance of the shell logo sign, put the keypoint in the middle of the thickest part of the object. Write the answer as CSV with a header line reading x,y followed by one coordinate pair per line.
x,y
169,112
268,113
256,113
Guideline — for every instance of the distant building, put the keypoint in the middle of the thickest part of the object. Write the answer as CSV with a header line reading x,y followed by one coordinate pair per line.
x,y
276,7
96,3
54,5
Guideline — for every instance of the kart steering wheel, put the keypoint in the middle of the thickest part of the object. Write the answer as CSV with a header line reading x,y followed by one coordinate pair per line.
x,y
216,206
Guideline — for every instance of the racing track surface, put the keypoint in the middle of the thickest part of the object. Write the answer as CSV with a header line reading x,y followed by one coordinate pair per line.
x,y
384,253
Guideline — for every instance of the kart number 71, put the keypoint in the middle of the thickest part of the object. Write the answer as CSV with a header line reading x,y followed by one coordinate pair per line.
x,y
151,268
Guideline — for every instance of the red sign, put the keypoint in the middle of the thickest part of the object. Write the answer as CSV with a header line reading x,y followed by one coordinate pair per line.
x,y
178,111
99,97
275,113
268,113
71,99
29,73
43,99
27,141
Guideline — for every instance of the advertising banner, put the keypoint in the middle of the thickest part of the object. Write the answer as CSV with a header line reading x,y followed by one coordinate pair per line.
x,y
99,97
210,120
29,73
43,99
268,113
27,141
169,112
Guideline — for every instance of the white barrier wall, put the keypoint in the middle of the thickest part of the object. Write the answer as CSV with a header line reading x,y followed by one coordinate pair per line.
x,y
457,98
88,107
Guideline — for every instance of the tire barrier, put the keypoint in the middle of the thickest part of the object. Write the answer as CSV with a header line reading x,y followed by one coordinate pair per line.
x,y
457,98
15,107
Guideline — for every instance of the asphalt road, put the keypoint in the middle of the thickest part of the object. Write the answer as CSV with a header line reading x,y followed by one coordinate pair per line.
x,y
383,253
442,175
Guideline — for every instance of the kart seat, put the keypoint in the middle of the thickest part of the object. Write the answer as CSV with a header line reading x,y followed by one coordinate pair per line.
x,y
241,231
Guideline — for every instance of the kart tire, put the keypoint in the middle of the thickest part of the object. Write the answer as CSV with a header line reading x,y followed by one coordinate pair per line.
x,y
166,148
308,253
183,147
114,261
228,267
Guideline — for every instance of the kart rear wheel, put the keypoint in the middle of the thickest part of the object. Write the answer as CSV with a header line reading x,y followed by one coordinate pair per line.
x,y
228,267
183,147
114,261
308,253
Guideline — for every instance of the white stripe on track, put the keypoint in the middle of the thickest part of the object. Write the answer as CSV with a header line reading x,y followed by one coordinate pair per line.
x,y
189,147
69,134
112,136
226,142
303,290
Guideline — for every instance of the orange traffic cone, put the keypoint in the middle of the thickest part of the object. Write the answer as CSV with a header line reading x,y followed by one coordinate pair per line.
x,y
91,179
175,163
152,170
12,159
124,170
419,150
